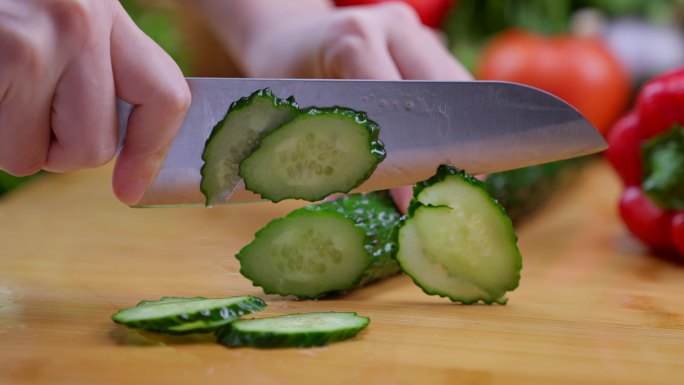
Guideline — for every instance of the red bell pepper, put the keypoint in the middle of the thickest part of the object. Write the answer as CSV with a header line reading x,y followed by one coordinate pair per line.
x,y
647,151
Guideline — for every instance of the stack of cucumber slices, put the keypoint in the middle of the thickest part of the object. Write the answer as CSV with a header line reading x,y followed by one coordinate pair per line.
x,y
283,152
456,241
176,315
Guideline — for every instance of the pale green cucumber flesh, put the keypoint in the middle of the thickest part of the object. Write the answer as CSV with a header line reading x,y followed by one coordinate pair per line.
x,y
186,315
314,155
235,137
306,254
458,242
293,330
325,248
376,214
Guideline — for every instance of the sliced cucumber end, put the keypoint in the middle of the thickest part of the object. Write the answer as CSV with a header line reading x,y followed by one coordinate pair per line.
x,y
458,242
175,315
306,254
236,136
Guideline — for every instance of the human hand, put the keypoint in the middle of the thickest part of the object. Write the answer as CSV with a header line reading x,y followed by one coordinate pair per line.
x,y
309,39
384,41
63,64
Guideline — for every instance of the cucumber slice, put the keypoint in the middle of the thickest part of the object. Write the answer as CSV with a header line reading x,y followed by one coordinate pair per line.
x,y
176,315
458,242
293,330
236,136
319,152
162,300
324,248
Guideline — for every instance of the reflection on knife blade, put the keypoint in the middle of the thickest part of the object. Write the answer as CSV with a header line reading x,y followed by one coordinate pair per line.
x,y
478,126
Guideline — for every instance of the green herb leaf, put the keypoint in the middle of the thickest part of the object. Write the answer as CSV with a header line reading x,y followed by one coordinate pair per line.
x,y
664,169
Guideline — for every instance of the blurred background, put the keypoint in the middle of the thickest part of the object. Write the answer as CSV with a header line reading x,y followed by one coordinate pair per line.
x,y
593,53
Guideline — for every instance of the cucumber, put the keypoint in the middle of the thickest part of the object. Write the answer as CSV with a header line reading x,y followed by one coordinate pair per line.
x,y
324,248
458,242
236,136
162,300
9,182
175,315
319,152
293,330
525,190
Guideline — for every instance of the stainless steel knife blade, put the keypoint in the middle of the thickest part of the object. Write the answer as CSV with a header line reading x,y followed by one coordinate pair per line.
x,y
479,126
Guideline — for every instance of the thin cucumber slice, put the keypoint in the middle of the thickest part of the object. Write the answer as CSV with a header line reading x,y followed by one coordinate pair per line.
x,y
187,315
202,325
293,330
458,242
319,152
236,136
162,300
324,248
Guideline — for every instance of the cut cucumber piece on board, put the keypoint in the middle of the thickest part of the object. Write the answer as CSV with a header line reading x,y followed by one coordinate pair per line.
x,y
236,136
175,315
325,248
293,330
457,241
319,152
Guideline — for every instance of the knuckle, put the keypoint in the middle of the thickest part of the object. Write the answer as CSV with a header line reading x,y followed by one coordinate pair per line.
x,y
353,24
67,13
341,55
177,99
21,50
99,156
23,169
68,153
343,49
400,12
349,36
73,19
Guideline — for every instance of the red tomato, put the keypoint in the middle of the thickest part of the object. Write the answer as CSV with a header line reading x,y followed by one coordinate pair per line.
x,y
624,152
431,12
677,232
645,220
581,71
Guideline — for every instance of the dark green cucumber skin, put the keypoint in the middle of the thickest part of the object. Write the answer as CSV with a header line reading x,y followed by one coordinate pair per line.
x,y
212,318
233,337
375,147
378,217
443,172
235,106
523,191
374,214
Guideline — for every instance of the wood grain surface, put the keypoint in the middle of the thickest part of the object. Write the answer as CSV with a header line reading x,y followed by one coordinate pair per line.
x,y
592,308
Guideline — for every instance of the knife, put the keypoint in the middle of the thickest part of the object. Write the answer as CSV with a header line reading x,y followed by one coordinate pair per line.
x,y
478,126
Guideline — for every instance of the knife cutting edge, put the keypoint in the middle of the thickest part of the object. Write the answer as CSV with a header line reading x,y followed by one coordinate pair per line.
x,y
478,126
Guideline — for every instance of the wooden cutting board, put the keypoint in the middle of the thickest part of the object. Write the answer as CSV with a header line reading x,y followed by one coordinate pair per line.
x,y
592,307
